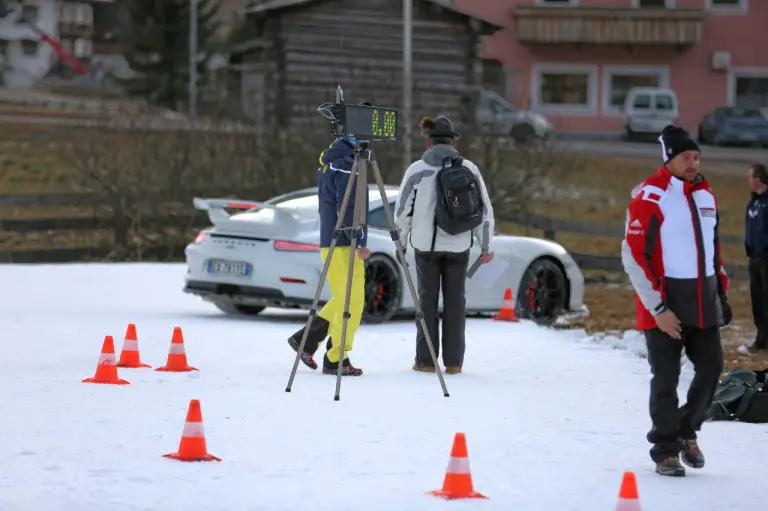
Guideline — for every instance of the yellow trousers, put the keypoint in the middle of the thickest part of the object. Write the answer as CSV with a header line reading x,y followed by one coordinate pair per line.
x,y
333,311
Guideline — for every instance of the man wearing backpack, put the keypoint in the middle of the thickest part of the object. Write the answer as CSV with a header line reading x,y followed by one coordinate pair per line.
x,y
443,209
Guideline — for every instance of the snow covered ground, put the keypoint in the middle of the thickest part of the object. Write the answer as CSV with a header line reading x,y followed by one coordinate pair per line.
x,y
552,418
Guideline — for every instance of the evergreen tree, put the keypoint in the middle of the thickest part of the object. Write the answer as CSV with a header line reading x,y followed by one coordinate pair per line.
x,y
156,45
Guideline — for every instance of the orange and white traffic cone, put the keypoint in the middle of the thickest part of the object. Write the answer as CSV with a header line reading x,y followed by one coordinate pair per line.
x,y
177,356
458,480
129,355
507,311
628,497
192,446
106,371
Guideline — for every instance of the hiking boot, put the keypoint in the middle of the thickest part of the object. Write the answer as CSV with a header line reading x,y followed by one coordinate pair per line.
x,y
691,453
452,370
423,368
347,369
670,467
306,357
318,330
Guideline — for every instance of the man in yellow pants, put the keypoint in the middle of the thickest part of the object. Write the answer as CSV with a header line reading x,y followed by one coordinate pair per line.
x,y
333,175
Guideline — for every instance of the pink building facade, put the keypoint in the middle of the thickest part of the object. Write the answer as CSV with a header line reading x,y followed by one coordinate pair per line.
x,y
575,60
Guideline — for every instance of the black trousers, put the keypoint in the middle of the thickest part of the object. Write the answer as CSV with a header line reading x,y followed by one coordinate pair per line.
x,y
758,290
670,423
449,270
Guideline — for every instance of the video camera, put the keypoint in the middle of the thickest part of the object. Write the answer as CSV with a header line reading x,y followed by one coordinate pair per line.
x,y
363,121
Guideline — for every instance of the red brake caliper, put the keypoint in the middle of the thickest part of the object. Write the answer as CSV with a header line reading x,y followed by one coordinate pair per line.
x,y
532,296
379,295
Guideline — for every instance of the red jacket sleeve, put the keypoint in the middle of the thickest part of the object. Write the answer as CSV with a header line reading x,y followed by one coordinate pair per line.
x,y
641,251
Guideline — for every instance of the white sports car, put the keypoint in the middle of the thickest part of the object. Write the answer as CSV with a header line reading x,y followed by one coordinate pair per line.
x,y
268,256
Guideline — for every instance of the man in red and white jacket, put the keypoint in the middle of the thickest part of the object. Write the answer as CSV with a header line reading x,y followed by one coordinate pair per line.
x,y
671,253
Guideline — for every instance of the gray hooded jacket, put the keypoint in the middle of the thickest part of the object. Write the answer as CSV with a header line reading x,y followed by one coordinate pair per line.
x,y
415,208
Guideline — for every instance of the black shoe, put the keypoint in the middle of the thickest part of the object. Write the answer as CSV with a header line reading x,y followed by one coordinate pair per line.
x,y
691,453
347,369
307,358
754,348
670,467
318,330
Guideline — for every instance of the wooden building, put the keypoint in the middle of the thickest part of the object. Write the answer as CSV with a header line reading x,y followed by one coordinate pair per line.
x,y
302,49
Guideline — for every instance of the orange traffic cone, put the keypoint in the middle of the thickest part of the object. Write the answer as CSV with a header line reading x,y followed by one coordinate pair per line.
x,y
507,311
129,356
628,498
177,356
192,446
106,371
458,480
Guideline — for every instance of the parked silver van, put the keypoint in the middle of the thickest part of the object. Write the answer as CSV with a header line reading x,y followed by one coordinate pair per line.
x,y
647,110
499,116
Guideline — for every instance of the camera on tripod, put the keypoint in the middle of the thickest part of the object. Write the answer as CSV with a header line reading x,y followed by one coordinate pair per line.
x,y
364,122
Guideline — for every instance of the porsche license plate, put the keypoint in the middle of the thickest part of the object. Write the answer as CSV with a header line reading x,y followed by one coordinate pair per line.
x,y
229,268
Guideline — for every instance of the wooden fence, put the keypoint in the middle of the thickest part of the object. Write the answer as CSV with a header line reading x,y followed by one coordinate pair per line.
x,y
59,253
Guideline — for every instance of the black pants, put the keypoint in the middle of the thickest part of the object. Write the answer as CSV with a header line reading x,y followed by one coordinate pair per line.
x,y
670,423
758,290
448,269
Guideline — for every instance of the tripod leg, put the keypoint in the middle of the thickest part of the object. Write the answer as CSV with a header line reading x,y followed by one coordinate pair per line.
x,y
318,291
409,279
359,219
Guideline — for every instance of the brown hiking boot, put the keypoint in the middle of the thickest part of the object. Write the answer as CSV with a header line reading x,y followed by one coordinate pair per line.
x,y
452,370
691,453
670,467
423,368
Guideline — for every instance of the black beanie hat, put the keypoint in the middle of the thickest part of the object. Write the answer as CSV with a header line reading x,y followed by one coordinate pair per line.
x,y
675,140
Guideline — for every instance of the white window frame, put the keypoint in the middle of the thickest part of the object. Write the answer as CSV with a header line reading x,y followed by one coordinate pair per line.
x,y
569,3
668,4
741,72
742,8
609,71
591,70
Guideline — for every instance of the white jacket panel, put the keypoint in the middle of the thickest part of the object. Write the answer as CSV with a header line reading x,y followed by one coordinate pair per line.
x,y
415,211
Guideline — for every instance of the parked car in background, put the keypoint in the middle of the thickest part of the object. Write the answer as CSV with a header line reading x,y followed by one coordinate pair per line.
x,y
647,110
268,256
499,116
728,125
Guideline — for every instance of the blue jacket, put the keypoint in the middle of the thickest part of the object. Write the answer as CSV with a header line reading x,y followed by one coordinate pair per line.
x,y
332,177
756,226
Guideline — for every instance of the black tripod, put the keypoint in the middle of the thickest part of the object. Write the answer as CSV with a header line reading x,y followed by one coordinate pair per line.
x,y
363,158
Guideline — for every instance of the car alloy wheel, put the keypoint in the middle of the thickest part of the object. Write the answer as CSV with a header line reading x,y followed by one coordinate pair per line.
x,y
543,292
382,289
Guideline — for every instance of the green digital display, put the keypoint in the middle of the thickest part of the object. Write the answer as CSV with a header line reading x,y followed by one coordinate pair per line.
x,y
371,123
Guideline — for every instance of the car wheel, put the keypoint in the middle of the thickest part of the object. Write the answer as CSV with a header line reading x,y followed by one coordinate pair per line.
x,y
543,292
523,134
237,310
383,289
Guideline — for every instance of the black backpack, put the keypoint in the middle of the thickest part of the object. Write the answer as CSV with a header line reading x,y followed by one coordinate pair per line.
x,y
742,396
459,206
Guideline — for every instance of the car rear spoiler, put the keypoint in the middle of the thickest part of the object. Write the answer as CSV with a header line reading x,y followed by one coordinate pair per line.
x,y
283,221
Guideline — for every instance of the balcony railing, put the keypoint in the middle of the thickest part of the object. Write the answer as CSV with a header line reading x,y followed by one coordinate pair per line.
x,y
596,25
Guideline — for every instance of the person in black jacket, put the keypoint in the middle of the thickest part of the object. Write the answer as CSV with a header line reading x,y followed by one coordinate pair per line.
x,y
756,244
336,165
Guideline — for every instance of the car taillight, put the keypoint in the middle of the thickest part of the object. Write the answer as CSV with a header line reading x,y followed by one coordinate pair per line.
x,y
201,238
290,246
241,205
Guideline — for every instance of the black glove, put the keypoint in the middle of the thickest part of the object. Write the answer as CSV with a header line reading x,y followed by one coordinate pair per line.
x,y
727,312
